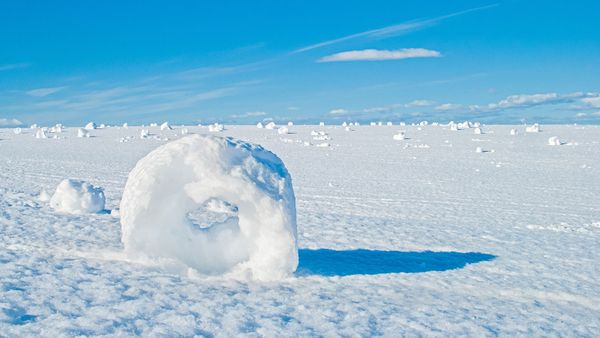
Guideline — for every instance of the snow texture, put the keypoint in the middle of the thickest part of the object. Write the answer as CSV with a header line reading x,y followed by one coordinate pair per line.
x,y
208,173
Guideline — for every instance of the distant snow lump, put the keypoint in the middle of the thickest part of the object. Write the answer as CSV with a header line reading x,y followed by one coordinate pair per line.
x,y
217,205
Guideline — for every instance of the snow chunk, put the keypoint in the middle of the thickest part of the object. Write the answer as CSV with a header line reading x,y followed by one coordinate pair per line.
x,y
77,197
271,125
58,128
83,133
259,125
216,127
554,141
477,131
44,196
535,128
184,181
40,133
17,131
513,132
400,136
90,126
283,131
165,126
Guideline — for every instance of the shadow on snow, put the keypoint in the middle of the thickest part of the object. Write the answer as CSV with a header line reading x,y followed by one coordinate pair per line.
x,y
326,262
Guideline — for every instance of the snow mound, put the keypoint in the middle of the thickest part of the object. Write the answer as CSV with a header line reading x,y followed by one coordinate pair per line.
x,y
165,126
216,205
40,133
90,126
83,132
554,141
44,196
535,128
77,197
271,125
513,132
17,131
259,125
400,136
216,127
283,131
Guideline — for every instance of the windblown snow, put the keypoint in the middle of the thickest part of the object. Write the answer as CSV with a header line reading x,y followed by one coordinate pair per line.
x,y
417,235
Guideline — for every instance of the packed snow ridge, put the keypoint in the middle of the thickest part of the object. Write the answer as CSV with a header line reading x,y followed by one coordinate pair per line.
x,y
216,205
77,197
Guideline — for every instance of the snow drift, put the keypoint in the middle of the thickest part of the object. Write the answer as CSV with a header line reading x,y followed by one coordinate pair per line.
x,y
217,205
77,197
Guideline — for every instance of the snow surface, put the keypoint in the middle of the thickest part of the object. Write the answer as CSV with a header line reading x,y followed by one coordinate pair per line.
x,y
394,240
257,240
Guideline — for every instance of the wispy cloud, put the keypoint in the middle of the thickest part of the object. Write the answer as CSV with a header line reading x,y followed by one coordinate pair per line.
x,y
378,55
249,114
14,66
592,101
420,103
41,92
525,100
448,106
9,122
338,111
392,30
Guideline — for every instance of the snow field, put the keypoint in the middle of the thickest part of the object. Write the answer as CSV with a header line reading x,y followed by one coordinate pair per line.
x,y
386,236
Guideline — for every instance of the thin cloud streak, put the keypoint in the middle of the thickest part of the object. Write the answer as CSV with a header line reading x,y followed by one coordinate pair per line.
x,y
41,92
392,30
14,66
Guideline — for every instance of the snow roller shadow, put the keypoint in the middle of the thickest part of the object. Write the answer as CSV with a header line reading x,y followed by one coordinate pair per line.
x,y
326,262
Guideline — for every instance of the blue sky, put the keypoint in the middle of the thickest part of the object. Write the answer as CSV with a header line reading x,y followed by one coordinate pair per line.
x,y
305,61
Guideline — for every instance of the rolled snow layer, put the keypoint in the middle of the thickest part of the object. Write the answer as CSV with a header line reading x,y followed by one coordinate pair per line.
x,y
181,182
